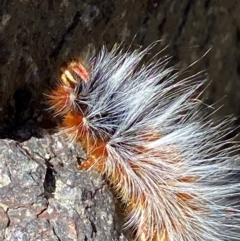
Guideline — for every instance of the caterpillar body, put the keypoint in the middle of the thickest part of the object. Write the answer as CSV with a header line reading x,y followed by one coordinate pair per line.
x,y
145,133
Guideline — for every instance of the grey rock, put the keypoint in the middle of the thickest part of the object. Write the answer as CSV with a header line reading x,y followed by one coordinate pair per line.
x,y
43,195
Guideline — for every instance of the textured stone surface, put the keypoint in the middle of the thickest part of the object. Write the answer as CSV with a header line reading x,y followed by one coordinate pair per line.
x,y
43,196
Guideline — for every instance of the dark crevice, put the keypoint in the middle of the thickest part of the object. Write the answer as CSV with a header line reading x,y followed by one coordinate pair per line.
x,y
50,5
24,116
237,35
17,122
161,25
22,98
238,66
54,231
49,182
184,19
42,211
237,55
207,3
94,230
66,36
9,220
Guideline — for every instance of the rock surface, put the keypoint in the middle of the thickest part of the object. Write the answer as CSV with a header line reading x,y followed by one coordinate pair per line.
x,y
42,194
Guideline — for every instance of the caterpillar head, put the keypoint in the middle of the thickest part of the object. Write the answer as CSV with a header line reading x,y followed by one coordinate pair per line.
x,y
62,98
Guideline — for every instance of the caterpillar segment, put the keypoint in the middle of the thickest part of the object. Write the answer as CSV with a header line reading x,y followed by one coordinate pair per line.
x,y
143,131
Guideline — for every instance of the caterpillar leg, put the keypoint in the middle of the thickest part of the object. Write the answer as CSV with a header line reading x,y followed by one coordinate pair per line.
x,y
96,156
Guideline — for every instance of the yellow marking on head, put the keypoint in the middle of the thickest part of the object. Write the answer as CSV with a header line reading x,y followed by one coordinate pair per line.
x,y
67,78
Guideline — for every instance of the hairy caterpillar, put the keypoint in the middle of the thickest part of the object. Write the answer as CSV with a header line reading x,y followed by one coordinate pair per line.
x,y
143,130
